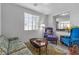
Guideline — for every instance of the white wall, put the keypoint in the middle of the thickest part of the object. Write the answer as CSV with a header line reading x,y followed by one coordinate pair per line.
x,y
13,22
0,18
75,16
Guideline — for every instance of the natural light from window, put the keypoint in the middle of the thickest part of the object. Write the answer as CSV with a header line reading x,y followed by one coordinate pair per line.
x,y
31,22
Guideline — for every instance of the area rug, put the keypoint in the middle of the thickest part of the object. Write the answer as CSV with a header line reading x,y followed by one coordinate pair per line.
x,y
50,50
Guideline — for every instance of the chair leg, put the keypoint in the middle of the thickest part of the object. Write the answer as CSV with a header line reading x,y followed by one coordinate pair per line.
x,y
56,42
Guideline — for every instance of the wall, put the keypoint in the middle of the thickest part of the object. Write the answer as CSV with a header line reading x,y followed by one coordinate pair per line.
x,y
75,16
13,22
0,18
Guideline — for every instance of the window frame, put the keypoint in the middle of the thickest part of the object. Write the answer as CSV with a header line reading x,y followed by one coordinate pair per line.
x,y
63,26
32,23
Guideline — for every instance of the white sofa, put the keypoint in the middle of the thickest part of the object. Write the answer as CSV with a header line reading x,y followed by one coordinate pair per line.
x,y
16,47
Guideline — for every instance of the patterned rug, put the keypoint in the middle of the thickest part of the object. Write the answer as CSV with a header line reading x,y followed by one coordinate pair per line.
x,y
50,50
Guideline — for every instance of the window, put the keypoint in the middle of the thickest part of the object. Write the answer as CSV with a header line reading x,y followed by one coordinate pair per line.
x,y
63,21
63,25
31,22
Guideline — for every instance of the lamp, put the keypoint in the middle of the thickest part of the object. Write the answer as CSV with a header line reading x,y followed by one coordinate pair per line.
x,y
42,29
68,27
42,26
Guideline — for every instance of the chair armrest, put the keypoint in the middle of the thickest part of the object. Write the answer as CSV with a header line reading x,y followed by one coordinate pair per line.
x,y
74,42
64,36
2,51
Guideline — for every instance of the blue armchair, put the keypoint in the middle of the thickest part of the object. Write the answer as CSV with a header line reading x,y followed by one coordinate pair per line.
x,y
72,39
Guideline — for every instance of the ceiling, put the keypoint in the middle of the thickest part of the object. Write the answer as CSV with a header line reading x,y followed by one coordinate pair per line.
x,y
49,8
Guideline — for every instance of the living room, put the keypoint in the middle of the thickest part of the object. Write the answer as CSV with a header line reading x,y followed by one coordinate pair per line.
x,y
14,25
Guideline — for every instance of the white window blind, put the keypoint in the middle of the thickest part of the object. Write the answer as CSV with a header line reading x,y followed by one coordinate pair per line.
x,y
31,22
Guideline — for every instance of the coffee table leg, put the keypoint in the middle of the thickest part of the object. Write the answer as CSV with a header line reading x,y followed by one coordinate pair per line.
x,y
46,49
39,51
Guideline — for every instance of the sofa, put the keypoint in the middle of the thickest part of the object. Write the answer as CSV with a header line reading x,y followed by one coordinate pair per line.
x,y
14,47
73,39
